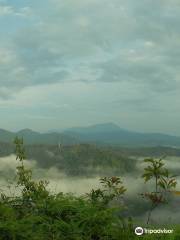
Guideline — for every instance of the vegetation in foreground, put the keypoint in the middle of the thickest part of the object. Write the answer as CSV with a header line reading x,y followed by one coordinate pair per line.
x,y
37,214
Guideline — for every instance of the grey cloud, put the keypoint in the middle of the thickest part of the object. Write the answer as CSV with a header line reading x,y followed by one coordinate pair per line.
x,y
8,10
153,76
99,34
139,104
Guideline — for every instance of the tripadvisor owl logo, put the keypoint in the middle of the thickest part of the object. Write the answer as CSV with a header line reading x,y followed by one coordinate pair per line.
x,y
139,231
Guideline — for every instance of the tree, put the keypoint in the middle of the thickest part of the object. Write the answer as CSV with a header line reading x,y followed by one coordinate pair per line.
x,y
164,182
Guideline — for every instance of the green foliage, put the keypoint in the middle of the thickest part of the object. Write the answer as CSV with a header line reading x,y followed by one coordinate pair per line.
x,y
112,188
164,183
39,215
31,190
167,181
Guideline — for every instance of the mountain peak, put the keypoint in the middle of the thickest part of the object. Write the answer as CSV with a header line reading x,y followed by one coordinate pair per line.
x,y
26,131
101,127
108,124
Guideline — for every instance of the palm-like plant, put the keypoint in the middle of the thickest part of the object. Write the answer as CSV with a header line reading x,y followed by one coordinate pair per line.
x,y
164,182
153,171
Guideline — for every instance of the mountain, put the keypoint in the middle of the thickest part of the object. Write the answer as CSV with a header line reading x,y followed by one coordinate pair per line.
x,y
32,137
102,134
110,133
58,130
98,128
6,136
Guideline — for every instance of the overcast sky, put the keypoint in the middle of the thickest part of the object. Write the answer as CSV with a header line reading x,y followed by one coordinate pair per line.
x,y
67,63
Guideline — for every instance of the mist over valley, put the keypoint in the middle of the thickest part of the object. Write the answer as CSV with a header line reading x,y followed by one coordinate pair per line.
x,y
77,169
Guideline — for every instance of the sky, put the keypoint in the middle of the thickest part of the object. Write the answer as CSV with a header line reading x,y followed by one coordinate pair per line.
x,y
66,63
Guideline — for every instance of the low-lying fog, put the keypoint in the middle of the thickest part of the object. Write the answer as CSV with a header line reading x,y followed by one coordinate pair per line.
x,y
59,182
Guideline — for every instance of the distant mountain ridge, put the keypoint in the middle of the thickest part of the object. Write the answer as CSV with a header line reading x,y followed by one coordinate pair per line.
x,y
110,133
33,137
106,133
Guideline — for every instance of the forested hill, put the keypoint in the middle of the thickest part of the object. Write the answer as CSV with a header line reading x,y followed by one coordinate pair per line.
x,y
86,159
79,159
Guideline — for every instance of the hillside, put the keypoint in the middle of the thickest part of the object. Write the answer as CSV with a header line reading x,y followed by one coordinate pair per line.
x,y
80,159
88,159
